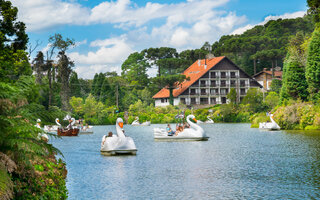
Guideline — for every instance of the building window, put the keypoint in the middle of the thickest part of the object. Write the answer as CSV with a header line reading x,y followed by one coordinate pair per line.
x,y
213,75
242,83
193,91
223,75
233,74
242,91
164,100
223,83
233,83
203,84
213,84
193,100
203,92
224,91
213,91
213,100
223,99
183,100
204,101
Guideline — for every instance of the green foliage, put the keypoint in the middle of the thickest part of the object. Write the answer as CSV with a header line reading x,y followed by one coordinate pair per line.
x,y
276,85
134,69
232,96
258,118
19,140
254,99
75,88
272,99
13,42
314,9
265,43
313,66
298,115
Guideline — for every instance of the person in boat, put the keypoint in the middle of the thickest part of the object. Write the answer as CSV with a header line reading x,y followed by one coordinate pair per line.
x,y
169,130
186,125
179,129
70,124
85,127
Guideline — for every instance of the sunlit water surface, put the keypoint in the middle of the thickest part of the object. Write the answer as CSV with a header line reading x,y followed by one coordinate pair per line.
x,y
236,163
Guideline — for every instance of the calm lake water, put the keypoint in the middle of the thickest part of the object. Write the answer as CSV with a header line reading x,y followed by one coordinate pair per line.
x,y
236,163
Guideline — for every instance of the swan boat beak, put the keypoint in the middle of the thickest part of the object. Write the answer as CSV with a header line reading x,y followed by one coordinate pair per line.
x,y
194,119
121,124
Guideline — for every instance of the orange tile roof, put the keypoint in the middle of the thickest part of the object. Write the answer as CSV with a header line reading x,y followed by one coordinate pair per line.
x,y
194,72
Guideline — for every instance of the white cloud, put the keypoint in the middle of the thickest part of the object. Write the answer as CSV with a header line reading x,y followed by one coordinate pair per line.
x,y
43,14
268,18
79,43
109,57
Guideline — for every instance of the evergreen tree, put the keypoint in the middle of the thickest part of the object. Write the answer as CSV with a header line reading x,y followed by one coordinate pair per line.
x,y
94,84
75,87
294,80
313,65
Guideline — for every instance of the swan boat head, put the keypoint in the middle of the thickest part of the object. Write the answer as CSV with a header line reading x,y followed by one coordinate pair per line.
x,y
119,144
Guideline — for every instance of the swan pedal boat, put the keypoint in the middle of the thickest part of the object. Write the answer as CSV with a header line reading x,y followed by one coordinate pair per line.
x,y
41,136
118,144
270,126
137,123
194,133
84,131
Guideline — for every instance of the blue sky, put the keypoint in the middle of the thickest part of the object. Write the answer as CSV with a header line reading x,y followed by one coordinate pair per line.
x,y
106,32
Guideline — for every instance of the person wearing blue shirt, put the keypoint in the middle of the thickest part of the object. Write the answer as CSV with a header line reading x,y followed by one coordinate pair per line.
x,y
169,130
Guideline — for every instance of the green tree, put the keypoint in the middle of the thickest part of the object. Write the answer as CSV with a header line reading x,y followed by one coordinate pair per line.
x,y
272,99
294,80
39,65
314,9
77,105
254,99
313,65
64,70
75,86
155,54
276,85
232,96
13,43
134,69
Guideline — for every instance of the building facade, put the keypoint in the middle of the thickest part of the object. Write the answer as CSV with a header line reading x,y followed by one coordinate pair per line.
x,y
209,84
264,78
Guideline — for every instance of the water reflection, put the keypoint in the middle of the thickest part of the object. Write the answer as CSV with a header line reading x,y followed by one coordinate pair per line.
x,y
236,163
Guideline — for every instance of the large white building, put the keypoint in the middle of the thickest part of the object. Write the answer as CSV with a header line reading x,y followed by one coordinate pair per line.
x,y
209,84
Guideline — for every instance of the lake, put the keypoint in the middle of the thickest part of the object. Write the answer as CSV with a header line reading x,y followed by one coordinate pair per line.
x,y
236,163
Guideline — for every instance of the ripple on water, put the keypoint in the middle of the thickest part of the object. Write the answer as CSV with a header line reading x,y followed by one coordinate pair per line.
x,y
236,163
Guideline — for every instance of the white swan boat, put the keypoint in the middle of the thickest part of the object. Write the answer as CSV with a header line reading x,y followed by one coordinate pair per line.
x,y
199,122
41,136
118,144
50,128
194,133
85,129
271,126
209,121
137,123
